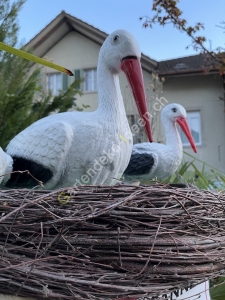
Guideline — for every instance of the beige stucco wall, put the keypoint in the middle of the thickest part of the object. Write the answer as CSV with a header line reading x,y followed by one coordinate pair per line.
x,y
202,92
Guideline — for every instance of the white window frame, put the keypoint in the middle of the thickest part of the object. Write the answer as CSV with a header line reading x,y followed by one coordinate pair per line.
x,y
190,116
93,81
55,90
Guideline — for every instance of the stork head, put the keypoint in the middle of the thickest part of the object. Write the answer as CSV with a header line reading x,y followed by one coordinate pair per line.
x,y
121,52
176,113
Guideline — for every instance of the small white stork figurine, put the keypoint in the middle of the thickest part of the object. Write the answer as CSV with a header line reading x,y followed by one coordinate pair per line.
x,y
74,148
159,160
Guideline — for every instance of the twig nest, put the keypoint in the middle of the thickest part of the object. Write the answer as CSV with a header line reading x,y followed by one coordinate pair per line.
x,y
115,242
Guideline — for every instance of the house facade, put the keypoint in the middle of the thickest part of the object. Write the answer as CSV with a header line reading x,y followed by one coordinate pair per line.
x,y
75,45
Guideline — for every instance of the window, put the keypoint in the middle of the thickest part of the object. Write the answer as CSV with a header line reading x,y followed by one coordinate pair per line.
x,y
61,81
54,83
194,122
90,83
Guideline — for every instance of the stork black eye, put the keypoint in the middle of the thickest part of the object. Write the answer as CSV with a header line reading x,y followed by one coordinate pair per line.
x,y
174,109
115,38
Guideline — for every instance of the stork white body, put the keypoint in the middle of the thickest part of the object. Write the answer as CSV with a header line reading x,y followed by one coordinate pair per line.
x,y
85,147
77,147
158,160
166,160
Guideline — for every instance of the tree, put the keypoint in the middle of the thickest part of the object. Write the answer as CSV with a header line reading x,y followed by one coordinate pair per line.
x,y
23,100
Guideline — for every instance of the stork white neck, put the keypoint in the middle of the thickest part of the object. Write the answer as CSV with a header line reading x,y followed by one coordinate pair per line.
x,y
110,97
172,135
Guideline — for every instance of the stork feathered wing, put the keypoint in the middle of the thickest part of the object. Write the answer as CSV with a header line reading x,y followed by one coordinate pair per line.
x,y
41,148
140,164
143,162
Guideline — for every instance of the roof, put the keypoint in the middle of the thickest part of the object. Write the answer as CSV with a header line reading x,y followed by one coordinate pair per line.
x,y
183,65
62,25
65,23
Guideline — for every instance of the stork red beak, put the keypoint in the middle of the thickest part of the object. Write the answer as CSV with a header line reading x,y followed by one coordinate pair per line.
x,y
185,127
131,66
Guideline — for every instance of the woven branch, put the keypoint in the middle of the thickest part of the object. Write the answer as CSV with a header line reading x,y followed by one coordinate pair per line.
x,y
109,242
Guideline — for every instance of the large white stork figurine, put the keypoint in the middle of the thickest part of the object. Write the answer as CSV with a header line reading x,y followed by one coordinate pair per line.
x,y
75,148
159,160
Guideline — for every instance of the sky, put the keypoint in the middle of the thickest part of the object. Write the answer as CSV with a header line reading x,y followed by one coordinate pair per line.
x,y
159,43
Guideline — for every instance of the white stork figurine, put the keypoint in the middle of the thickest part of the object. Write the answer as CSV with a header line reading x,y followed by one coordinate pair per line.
x,y
74,148
159,160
